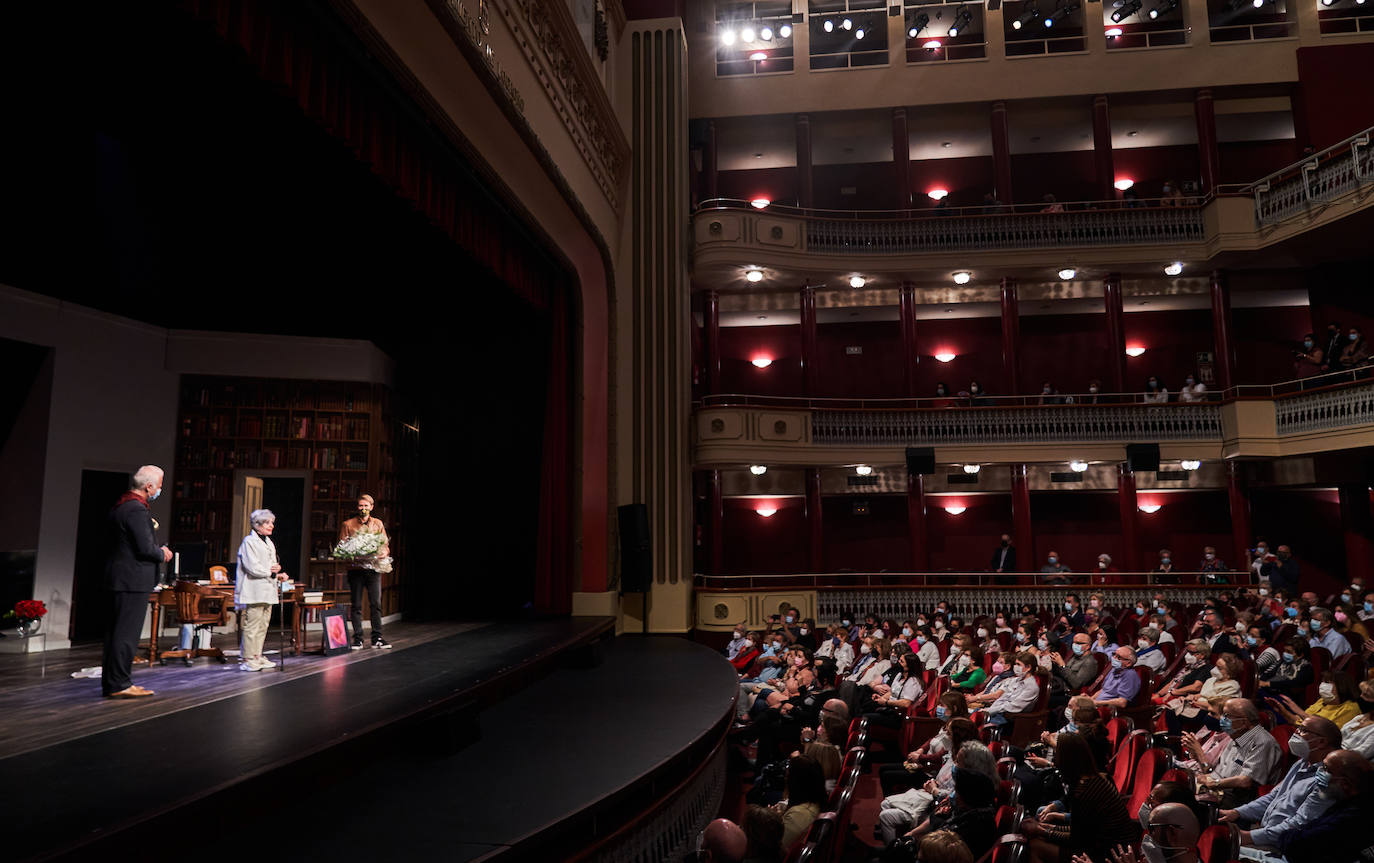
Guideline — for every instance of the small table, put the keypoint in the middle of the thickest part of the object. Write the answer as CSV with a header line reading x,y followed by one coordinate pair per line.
x,y
300,614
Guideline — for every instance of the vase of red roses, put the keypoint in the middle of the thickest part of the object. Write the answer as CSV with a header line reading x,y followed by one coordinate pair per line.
x,y
29,613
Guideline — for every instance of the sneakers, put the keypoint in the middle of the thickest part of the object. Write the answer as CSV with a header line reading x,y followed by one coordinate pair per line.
x,y
250,665
381,643
357,643
264,663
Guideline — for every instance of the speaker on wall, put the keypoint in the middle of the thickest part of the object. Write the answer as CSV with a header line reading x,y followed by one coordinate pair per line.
x,y
636,559
920,460
1142,456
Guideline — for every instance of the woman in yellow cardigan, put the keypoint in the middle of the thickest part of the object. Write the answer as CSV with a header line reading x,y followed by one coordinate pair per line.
x,y
1338,701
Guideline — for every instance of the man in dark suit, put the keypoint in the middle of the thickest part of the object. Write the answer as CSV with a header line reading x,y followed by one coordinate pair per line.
x,y
130,575
1004,561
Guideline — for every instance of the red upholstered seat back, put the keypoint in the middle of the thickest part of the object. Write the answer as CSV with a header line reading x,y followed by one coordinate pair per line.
x,y
1148,772
1215,845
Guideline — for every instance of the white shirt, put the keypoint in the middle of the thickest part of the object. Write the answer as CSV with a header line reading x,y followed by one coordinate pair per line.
x,y
1332,641
253,583
1152,659
1018,695
930,655
1358,738
843,655
1159,395
907,689
1166,638
1195,393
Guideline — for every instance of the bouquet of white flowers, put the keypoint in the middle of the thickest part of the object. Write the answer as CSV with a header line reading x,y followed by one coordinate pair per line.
x,y
362,548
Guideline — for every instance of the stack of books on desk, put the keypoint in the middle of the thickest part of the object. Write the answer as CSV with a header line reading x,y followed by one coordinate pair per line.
x,y
313,596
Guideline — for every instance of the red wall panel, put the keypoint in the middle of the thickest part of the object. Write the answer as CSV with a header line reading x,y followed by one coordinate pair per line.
x,y
876,373
966,179
873,542
977,343
1185,523
775,184
1335,93
965,542
1171,340
739,346
1308,521
1265,341
754,545
1149,167
1079,525
1066,350
1067,176
1247,161
873,184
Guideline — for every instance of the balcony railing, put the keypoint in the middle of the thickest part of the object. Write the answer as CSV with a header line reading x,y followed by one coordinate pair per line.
x,y
1325,410
1317,179
1082,223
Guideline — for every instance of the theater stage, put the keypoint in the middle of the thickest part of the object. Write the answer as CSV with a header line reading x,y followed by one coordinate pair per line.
x,y
482,741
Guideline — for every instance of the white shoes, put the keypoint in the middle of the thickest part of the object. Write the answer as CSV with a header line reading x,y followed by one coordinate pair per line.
x,y
259,664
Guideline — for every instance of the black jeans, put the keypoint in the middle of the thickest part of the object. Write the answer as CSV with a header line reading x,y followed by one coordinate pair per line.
x,y
126,610
357,580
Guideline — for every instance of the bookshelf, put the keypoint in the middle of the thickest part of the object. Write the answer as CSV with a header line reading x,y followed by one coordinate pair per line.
x,y
340,435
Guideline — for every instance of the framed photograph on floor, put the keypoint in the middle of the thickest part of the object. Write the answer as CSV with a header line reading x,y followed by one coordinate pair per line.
x,y
335,631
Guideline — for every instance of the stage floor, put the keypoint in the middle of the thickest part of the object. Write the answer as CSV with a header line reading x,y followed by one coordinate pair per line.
x,y
542,753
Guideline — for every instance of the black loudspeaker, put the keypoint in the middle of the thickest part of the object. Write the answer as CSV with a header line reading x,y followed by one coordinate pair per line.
x,y
636,561
920,460
1142,456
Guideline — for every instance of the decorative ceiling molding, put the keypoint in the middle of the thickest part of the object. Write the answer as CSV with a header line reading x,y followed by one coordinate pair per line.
x,y
547,35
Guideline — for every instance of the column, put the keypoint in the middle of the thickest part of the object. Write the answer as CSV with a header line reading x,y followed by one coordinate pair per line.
x,y
1240,515
715,502
1208,157
1011,337
710,173
911,357
916,522
1130,514
1021,520
1116,333
1357,525
805,198
1102,150
901,158
1001,152
711,324
816,558
1221,329
808,340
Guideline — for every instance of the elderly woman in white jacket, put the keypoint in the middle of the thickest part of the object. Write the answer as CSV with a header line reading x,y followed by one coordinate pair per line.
x,y
256,587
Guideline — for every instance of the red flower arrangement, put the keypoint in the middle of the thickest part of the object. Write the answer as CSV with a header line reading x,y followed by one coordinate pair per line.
x,y
30,609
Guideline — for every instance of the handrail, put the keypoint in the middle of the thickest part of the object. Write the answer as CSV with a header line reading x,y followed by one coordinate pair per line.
x,y
960,580
1297,167
1036,209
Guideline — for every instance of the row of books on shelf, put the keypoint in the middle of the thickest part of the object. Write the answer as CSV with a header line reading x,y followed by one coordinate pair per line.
x,y
336,489
204,488
274,394
332,458
193,520
323,520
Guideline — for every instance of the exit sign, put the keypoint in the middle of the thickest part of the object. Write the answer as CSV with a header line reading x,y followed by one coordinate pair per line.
x,y
853,350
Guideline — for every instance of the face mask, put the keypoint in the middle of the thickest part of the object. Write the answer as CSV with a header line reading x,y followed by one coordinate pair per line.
x,y
1079,648
1289,657
1298,746
940,712
1163,609
1045,391
1042,644
920,621
1102,564
790,618
921,640
1328,691
1226,725
1191,660
973,389
1307,343
1021,637
803,630
748,642
983,633
1068,714
1210,555
906,630
939,624
955,651
1092,389
1354,337
1314,625
998,667
1096,603
1369,606
1143,816
1340,617
864,649
1019,671
1116,662
1291,611
1251,640
1053,561
1216,673
1261,551
835,641
1154,385
845,623
1240,627
1323,779
1264,591
1165,561
1005,543
1068,606
1189,381
777,645
1140,610
1154,624
1155,853
799,661
1143,644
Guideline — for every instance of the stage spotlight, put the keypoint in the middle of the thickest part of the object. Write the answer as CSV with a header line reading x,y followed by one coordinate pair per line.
x,y
727,38
859,33
847,24
1061,13
747,34
828,26
1027,16
919,23
766,34
961,20
1127,9
1163,8
785,31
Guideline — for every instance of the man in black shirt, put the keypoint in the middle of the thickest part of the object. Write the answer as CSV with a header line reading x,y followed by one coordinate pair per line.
x,y
130,575
1004,561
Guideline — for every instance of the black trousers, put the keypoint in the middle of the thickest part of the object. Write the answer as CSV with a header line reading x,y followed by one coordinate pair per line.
x,y
123,624
358,579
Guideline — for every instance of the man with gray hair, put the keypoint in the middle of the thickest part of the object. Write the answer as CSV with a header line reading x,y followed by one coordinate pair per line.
x,y
1324,635
130,575
1249,760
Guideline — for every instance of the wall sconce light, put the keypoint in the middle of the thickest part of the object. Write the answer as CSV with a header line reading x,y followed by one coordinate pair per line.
x,y
962,277
1150,508
931,44
766,511
1190,464
1078,466
762,362
759,55
754,275
758,469
1174,269
759,203
1067,273
972,468
1123,183
1112,33
1134,350
863,469
955,510
937,194
945,356
857,281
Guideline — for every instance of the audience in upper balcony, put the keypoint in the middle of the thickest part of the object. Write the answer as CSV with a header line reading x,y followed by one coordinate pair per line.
x,y
1164,572
992,206
1154,393
1094,393
1054,570
1104,568
943,396
1282,572
1171,195
1004,559
1212,567
1052,205
1193,390
1355,351
976,395
1310,359
1332,347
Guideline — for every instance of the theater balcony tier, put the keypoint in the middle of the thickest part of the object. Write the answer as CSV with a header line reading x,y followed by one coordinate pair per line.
x,y
1243,422
1230,228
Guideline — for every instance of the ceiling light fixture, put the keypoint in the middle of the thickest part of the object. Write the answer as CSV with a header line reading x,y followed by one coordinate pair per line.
x,y
759,55
962,277
972,468
1174,269
758,469
1134,350
784,31
1123,183
762,362
857,281
754,275
1150,508
1078,466
727,38
759,203
1067,273
766,511
863,469
945,356
1126,10
937,194
1190,464
956,510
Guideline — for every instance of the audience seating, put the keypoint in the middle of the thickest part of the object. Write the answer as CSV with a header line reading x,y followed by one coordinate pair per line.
x,y
1131,751
1149,771
1247,678
1118,727
1218,844
817,846
1103,666
1141,710
1024,728
858,733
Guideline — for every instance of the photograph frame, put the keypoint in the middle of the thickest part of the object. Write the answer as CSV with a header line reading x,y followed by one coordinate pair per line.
x,y
335,638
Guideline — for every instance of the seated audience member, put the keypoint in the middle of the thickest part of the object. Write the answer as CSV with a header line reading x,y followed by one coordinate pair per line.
x,y
1357,735
806,635
723,841
1154,393
748,652
1148,653
1366,610
763,829
1017,694
1210,626
1337,700
1294,803
926,650
1251,758
872,665
1292,675
805,796
1054,570
1264,654
1002,623
1094,395
1172,830
919,789
1193,390
1321,633
1086,722
1348,622
1122,683
986,640
737,640
1342,831
1189,679
1050,396
1104,640
1099,819
1213,568
1160,623
971,676
1168,791
1309,359
1223,682
1104,569
798,679
944,846
970,809
1164,572
1355,352
837,647
977,396
1080,669
892,706
943,396
1004,556
1072,615
1282,572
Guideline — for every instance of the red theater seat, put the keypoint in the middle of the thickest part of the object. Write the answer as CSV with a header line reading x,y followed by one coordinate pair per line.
x,y
1024,728
1130,753
1149,770
1218,844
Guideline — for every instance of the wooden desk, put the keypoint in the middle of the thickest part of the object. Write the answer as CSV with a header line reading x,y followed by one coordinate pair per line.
x,y
167,597
298,619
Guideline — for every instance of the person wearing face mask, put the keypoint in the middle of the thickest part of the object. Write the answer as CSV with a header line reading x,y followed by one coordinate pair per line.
x,y
1355,353
925,647
1122,683
1332,345
736,642
1342,831
750,651
1193,390
1049,395
1000,623
805,634
1003,560
130,575
1257,645
1072,615
977,396
1337,700
1100,821
1188,680
1105,572
1294,803
1259,556
836,646
1292,675
1154,393
1054,570
1171,835
943,396
1160,623
1251,759
1164,572
891,706
1321,633
1308,359
1094,396
361,579
1078,671
1357,735
1283,571
958,656
926,761
1018,693
1212,568
1104,640
971,676
1148,652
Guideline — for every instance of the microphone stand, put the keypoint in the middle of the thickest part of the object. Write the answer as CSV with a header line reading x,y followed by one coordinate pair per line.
x,y
281,622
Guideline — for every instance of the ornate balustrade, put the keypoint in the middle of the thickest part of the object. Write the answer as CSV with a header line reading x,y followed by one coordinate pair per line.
x,y
1046,424
1322,177
1325,410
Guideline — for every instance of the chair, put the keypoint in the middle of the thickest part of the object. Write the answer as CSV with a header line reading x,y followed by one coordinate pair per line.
x,y
1008,819
1024,728
1148,772
858,733
1131,752
1009,849
815,846
1284,633
1118,729
1218,844
1141,710
1104,664
1248,678
1004,639
203,608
